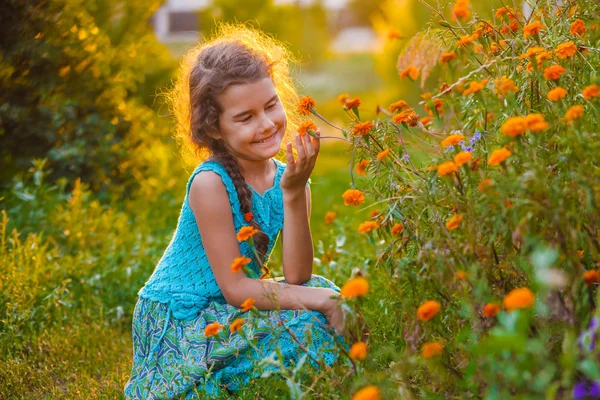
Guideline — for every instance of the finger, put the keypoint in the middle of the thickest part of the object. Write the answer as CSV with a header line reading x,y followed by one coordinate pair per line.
x,y
291,164
317,142
301,152
310,151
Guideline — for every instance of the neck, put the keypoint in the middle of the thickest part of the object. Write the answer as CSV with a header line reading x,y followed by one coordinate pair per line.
x,y
251,168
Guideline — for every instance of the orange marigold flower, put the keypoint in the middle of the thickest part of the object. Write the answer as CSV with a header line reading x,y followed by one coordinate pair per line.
x,y
426,120
428,310
236,325
305,105
577,28
444,87
394,34
454,222
367,393
466,39
358,351
574,112
383,154
330,217
462,158
437,104
557,94
498,156
248,216
212,329
355,287
368,226
591,277
398,106
353,103
514,126
353,197
412,72
305,126
554,72
508,11
431,349
447,168
484,28
518,299
533,29
474,87
374,213
531,52
409,116
238,263
566,50
246,232
343,98
591,91
361,167
446,57
505,85
397,229
461,10
536,122
491,309
363,128
484,184
247,304
452,140
461,275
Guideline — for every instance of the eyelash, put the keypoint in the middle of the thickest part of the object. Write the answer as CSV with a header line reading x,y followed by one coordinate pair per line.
x,y
268,108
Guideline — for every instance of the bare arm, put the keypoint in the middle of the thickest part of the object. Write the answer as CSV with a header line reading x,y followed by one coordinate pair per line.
x,y
210,204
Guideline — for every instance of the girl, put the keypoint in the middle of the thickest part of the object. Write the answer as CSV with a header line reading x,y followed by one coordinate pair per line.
x,y
231,101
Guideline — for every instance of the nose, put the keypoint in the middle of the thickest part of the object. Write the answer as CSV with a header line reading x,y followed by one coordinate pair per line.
x,y
266,123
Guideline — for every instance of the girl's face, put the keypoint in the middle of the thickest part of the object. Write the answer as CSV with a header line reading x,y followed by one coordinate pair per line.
x,y
253,120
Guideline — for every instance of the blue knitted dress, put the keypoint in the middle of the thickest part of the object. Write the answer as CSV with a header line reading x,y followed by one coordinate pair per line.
x,y
172,358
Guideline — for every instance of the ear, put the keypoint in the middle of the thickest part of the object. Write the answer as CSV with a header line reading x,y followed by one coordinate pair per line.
x,y
214,134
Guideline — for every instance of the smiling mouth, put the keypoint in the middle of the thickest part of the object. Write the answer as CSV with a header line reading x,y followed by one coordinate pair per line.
x,y
267,139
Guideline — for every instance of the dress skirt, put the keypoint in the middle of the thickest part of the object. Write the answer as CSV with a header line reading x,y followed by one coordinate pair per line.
x,y
186,362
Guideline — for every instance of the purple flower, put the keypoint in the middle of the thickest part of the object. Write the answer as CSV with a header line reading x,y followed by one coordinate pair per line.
x,y
466,148
449,149
476,137
586,390
405,157
587,339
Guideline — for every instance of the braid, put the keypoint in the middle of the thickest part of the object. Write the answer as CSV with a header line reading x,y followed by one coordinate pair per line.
x,y
244,193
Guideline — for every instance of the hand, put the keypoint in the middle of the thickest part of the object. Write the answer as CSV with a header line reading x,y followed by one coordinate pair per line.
x,y
298,171
334,314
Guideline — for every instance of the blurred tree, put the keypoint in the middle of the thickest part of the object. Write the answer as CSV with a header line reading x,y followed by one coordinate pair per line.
x,y
74,77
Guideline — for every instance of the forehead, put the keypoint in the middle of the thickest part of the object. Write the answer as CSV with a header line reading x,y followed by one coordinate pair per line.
x,y
247,96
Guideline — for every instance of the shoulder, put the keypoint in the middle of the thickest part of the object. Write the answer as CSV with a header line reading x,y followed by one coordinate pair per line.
x,y
207,188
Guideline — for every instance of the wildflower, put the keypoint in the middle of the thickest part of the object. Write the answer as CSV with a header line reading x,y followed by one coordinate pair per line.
x,y
531,52
532,29
447,168
514,126
444,87
409,116
587,338
543,56
462,158
361,167
238,263
368,226
393,34
498,156
438,104
236,325
383,154
306,105
412,72
536,122
397,229
511,27
574,112
505,85
330,217
566,50
586,390
353,197
431,349
355,287
591,91
358,351
554,72
247,304
484,184
397,106
428,310
491,309
461,10
508,11
353,103
305,126
475,87
556,94
577,28
466,39
246,232
343,98
375,213
212,329
446,57
367,393
591,277
461,275
454,222
484,28
248,216
518,299
426,120
452,140
363,128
